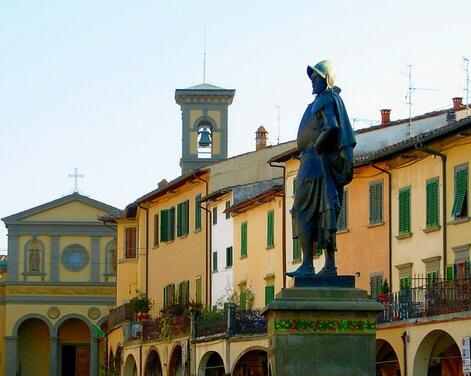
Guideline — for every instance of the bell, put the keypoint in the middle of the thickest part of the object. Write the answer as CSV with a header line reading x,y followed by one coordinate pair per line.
x,y
205,138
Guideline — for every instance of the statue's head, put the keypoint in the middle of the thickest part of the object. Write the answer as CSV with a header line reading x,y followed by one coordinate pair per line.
x,y
322,76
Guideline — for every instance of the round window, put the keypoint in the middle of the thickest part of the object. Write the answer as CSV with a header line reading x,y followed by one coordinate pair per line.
x,y
75,257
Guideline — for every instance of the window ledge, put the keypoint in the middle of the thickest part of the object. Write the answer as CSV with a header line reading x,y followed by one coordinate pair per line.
x,y
459,220
404,235
228,267
197,230
296,261
432,229
127,260
375,224
343,231
242,257
270,247
183,236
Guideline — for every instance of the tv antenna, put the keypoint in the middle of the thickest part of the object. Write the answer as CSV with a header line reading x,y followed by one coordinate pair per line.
x,y
409,94
465,62
204,54
278,120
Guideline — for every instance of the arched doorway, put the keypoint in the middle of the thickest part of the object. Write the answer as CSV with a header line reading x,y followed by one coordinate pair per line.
x,y
175,365
74,349
211,364
252,363
387,363
438,355
153,365
130,368
33,347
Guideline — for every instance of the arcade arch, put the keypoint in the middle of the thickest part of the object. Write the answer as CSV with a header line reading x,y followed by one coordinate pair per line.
x,y
130,368
175,365
33,346
387,363
253,362
211,364
153,365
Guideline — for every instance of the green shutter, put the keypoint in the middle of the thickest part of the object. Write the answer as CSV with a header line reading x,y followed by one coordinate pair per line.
x,y
270,228
198,290
461,192
197,212
431,203
156,230
376,282
269,294
404,283
171,233
342,219
187,292
165,297
186,217
215,215
180,293
215,261
404,211
164,225
228,205
243,239
180,219
376,202
296,250
450,275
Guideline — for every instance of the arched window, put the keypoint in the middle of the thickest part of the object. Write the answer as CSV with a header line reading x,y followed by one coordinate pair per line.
x,y
205,139
34,257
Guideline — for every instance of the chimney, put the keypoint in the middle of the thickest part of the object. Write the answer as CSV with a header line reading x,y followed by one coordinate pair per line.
x,y
457,103
261,136
385,115
162,184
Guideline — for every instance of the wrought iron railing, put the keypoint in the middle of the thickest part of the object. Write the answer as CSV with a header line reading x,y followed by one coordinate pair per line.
x,y
120,314
210,323
434,298
250,322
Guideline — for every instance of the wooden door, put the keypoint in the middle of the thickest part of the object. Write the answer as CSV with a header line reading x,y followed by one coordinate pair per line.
x,y
82,361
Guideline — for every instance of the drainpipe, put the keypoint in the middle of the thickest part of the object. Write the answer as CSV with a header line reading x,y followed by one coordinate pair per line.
x,y
404,350
389,223
147,247
283,223
208,229
442,156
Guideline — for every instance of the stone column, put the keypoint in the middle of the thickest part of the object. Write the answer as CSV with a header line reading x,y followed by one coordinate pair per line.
x,y
95,259
13,257
55,261
93,355
11,355
54,355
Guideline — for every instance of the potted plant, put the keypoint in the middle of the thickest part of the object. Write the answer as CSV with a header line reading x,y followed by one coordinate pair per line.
x,y
384,296
141,304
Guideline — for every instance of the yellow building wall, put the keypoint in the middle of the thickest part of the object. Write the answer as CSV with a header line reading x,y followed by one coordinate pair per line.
x,y
128,269
263,266
421,244
33,348
458,231
183,258
73,211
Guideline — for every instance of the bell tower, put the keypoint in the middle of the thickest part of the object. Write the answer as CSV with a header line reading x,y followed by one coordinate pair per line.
x,y
204,124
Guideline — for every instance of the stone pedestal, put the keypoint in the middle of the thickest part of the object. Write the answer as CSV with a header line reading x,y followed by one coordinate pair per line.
x,y
325,331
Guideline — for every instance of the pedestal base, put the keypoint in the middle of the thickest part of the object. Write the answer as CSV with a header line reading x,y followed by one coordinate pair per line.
x,y
323,331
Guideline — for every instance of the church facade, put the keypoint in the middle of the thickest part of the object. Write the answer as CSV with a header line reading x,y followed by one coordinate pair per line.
x,y
59,285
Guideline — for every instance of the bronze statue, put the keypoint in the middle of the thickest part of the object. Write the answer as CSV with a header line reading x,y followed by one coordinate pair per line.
x,y
325,142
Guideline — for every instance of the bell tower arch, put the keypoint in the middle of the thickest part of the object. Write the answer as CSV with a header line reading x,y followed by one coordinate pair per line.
x,y
204,124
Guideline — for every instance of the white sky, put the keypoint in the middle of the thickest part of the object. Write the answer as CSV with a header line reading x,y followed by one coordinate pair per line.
x,y
90,84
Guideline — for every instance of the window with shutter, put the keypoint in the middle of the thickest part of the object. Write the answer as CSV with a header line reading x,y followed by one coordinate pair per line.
x,y
186,217
215,215
187,292
270,229
450,275
229,257
215,261
180,293
243,239
376,202
198,289
376,282
197,212
404,210
431,209
156,230
342,219
180,219
269,294
296,250
460,204
130,242
228,205
172,224
164,219
405,283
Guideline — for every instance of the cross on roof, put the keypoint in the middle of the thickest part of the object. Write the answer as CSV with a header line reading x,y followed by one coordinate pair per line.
x,y
76,176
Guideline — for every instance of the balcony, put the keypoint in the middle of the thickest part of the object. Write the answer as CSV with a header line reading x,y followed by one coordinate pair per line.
x,y
121,314
432,299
